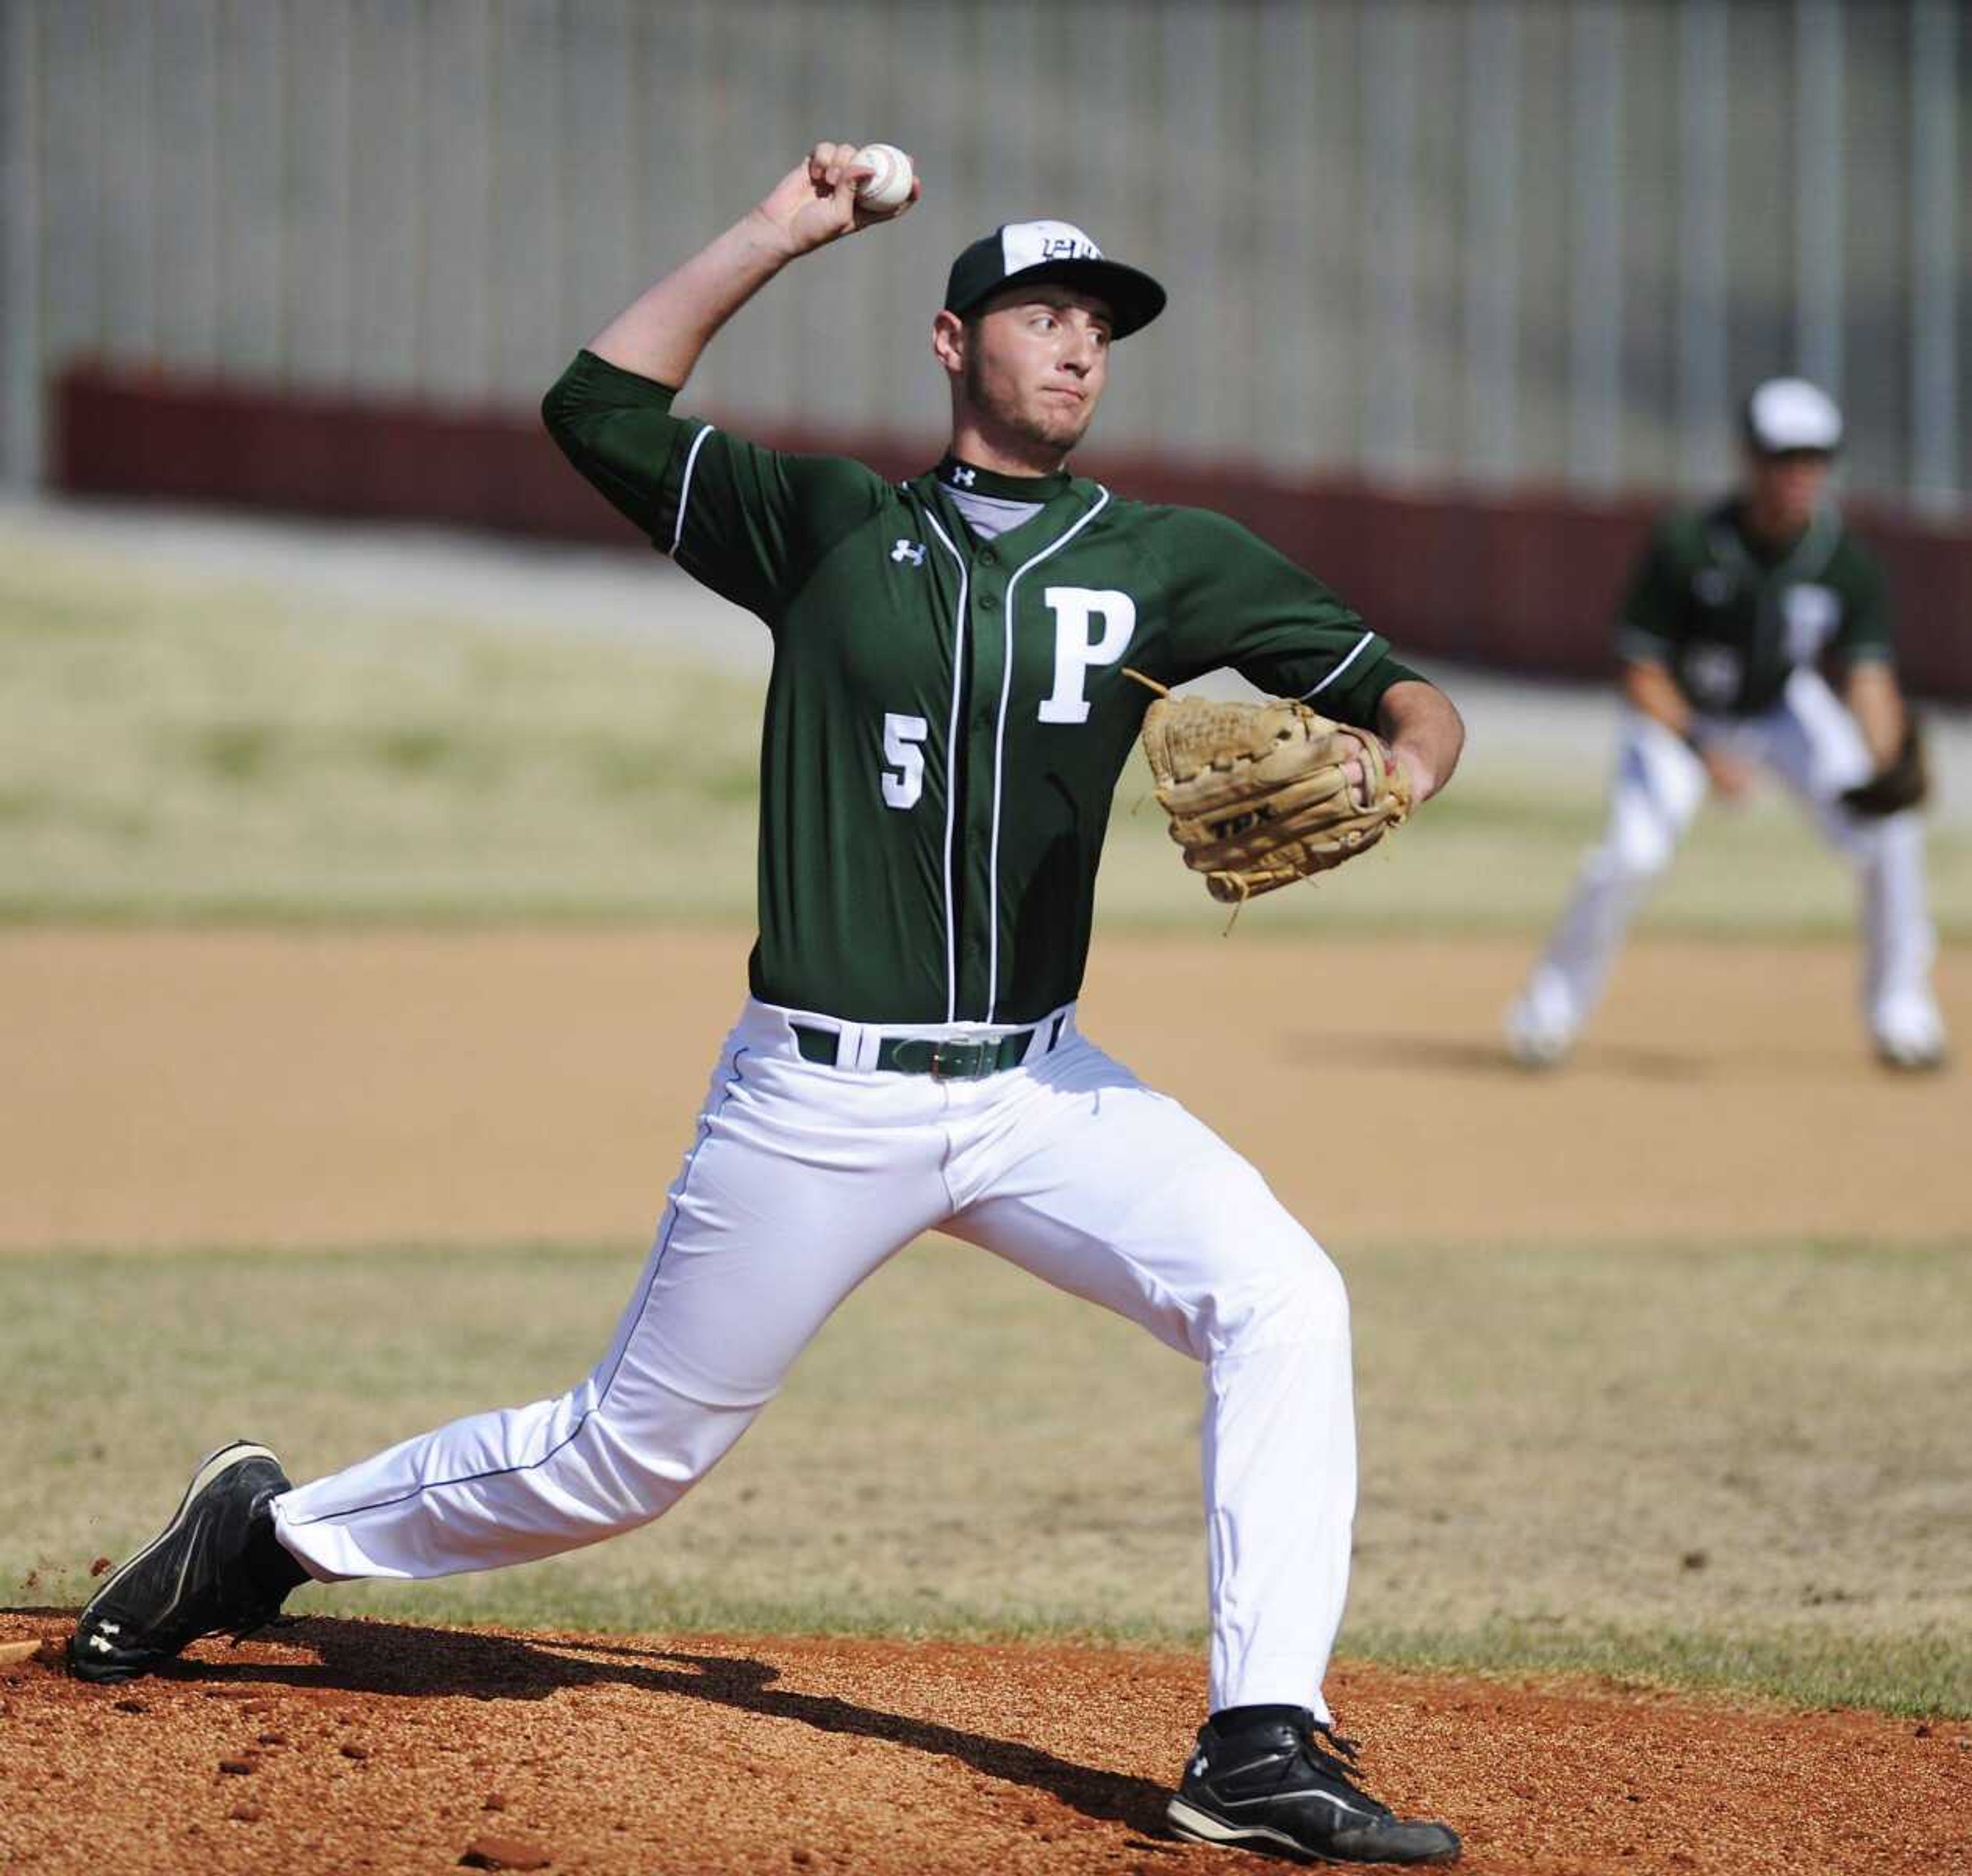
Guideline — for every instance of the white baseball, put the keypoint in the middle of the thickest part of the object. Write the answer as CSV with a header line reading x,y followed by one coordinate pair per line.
x,y
888,187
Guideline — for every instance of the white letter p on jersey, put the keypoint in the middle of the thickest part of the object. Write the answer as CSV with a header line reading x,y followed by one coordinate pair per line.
x,y
1076,649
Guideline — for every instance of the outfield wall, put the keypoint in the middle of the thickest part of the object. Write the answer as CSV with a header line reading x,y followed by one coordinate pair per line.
x,y
1504,243
1523,582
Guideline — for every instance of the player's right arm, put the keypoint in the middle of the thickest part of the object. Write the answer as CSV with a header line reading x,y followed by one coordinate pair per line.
x,y
747,521
1648,629
662,332
1649,687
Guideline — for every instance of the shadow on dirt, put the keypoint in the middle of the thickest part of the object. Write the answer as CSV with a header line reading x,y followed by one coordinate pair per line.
x,y
1453,1055
389,1658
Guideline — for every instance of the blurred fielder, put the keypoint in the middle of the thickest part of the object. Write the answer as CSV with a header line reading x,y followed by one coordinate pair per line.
x,y
949,712
1730,615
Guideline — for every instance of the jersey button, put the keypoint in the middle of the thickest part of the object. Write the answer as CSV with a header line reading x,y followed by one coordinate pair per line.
x,y
987,557
988,599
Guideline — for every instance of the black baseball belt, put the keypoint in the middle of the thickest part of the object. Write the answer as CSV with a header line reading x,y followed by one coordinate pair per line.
x,y
943,1058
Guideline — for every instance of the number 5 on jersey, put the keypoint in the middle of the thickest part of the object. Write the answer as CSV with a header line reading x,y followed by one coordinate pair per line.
x,y
903,781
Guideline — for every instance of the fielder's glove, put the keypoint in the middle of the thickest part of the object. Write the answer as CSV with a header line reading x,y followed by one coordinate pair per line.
x,y
1256,794
1905,782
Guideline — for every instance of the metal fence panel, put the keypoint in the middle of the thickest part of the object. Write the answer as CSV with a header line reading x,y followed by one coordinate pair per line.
x,y
1936,305
1547,182
1877,248
1506,241
252,239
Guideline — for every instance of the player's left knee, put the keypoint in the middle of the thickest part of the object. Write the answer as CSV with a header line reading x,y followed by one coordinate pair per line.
x,y
1872,859
1319,1298
1299,1297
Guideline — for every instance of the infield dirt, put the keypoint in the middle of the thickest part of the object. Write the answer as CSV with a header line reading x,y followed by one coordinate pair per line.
x,y
315,1088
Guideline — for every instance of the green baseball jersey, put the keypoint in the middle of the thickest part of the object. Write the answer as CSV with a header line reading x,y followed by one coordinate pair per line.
x,y
947,716
1730,617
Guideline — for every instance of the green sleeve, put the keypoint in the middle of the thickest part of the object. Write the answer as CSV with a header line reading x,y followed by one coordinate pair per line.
x,y
1650,623
1864,634
1237,603
749,523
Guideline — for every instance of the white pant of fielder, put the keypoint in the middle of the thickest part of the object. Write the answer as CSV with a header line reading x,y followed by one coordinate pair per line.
x,y
1812,742
804,1179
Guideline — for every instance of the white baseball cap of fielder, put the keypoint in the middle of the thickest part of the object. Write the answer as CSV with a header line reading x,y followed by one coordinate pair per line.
x,y
1789,416
1032,251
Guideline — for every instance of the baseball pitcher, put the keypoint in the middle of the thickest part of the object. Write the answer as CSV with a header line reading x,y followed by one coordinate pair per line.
x,y
955,690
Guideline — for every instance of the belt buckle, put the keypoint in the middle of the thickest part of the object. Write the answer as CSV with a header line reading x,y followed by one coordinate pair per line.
x,y
956,1062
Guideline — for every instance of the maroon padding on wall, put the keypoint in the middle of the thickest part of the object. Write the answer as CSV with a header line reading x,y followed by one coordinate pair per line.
x,y
176,439
1527,582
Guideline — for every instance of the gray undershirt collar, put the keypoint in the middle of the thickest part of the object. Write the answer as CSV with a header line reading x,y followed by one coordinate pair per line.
x,y
989,516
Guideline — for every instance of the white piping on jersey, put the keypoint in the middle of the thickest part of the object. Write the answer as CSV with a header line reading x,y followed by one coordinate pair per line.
x,y
952,768
684,486
1000,747
1356,651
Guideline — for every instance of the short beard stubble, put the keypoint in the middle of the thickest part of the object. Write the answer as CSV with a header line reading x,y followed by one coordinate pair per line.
x,y
1062,433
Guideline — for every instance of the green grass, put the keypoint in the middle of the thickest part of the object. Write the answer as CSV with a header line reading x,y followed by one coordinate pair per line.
x,y
173,747
1733,1467
1919,1675
181,746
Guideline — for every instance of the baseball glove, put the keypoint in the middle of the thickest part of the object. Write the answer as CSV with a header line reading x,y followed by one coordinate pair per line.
x,y
1256,794
1905,782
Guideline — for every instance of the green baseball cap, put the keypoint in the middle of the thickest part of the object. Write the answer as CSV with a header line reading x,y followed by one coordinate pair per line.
x,y
1020,251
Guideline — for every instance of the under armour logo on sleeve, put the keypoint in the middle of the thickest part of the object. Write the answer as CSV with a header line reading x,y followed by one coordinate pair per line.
x,y
910,551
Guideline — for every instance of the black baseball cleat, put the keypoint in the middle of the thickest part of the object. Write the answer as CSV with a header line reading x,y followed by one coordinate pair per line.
x,y
1288,1787
217,1566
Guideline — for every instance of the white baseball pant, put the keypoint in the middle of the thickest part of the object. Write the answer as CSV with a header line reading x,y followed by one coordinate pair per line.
x,y
804,1179
1812,742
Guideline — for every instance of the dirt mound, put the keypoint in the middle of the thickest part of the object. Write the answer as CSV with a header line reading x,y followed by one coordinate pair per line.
x,y
344,1745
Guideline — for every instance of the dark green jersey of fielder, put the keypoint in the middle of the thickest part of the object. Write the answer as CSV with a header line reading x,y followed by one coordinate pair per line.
x,y
1731,618
947,716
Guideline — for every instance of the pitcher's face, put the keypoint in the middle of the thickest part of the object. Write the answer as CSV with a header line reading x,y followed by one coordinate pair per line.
x,y
1036,360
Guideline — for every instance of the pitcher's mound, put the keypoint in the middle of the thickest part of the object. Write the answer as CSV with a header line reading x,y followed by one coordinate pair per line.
x,y
345,1745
